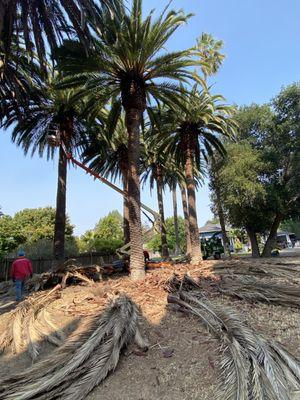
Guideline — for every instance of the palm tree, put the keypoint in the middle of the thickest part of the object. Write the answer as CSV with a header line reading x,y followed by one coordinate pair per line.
x,y
48,19
155,162
106,152
127,64
197,136
50,112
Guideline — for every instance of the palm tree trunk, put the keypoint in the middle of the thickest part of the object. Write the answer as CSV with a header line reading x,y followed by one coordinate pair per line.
x,y
125,209
175,213
196,255
254,243
163,232
186,220
133,117
271,241
222,221
60,215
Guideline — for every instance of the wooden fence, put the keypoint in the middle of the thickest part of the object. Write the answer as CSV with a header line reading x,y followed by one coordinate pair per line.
x,y
40,265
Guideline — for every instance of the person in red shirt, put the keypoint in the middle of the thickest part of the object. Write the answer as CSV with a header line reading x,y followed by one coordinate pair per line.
x,y
21,269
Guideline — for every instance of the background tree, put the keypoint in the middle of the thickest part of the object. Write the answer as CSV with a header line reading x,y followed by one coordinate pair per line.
x,y
243,193
274,132
155,243
128,65
106,237
28,228
196,138
215,164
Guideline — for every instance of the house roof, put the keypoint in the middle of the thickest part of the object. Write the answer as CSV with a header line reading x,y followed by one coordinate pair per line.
x,y
209,227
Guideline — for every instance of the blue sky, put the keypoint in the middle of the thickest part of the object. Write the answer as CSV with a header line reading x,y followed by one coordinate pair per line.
x,y
262,46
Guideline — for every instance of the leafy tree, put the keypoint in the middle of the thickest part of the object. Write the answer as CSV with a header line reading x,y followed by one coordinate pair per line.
x,y
242,192
50,112
129,66
107,236
155,243
29,226
274,132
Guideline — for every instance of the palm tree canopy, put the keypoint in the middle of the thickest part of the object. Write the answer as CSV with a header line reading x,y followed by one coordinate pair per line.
x,y
104,151
46,112
207,121
127,63
37,20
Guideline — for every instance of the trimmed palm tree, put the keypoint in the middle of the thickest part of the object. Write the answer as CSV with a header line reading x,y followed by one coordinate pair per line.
x,y
50,112
129,65
106,153
197,136
155,162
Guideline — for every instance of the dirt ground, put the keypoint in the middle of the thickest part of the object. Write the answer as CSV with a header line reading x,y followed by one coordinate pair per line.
x,y
182,361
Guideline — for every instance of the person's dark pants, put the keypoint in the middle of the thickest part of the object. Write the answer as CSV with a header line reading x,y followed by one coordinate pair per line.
x,y
19,284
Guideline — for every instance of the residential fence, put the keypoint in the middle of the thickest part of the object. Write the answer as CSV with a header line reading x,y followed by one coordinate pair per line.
x,y
40,264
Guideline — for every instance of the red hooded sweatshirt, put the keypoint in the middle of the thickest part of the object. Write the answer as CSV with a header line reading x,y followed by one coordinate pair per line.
x,y
21,268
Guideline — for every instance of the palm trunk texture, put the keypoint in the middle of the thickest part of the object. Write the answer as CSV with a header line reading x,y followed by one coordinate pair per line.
x,y
175,214
125,210
60,215
186,220
163,232
196,255
133,118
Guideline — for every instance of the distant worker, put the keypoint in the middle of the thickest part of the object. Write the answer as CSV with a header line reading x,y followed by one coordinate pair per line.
x,y
21,270
146,256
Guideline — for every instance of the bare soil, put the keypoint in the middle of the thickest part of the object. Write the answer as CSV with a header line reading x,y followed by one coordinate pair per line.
x,y
182,361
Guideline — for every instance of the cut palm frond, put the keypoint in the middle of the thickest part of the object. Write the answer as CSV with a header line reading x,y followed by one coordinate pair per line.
x,y
27,325
252,289
252,367
84,361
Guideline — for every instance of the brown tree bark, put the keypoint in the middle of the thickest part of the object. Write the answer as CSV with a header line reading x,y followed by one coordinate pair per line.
x,y
60,214
271,241
125,208
186,220
163,232
254,244
196,255
222,221
133,117
175,214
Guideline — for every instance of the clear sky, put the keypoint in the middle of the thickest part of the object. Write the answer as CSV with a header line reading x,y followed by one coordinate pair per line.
x,y
262,45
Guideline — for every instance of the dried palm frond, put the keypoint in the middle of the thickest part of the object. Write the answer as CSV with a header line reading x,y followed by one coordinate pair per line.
x,y
275,270
83,362
252,367
27,325
252,289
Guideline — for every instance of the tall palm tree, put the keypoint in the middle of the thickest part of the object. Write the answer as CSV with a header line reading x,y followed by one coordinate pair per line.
x,y
106,153
50,112
129,64
155,162
197,136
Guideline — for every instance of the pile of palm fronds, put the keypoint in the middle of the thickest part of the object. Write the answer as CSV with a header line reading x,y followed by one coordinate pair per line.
x,y
83,362
252,289
253,368
287,271
30,323
68,272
